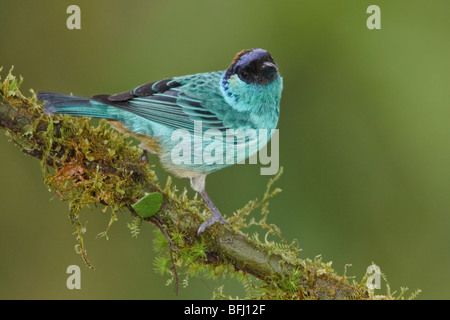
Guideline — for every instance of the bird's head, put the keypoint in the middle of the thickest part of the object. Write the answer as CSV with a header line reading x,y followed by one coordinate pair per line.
x,y
253,66
252,80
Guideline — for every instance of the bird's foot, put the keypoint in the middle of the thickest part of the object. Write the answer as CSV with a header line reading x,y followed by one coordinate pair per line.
x,y
215,217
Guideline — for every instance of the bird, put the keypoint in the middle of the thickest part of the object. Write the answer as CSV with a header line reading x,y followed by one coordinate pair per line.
x,y
246,96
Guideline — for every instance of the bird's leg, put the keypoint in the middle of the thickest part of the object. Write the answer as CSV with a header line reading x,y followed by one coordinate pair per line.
x,y
215,216
144,157
198,184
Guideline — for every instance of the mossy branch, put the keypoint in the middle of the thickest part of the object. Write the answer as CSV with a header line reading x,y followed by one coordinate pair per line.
x,y
86,165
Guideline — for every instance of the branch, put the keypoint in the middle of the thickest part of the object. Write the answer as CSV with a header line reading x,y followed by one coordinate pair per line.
x,y
85,164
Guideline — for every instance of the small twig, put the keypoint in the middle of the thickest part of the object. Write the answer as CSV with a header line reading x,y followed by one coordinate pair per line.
x,y
156,222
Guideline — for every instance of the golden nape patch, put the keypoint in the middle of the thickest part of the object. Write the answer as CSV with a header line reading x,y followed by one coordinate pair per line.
x,y
238,55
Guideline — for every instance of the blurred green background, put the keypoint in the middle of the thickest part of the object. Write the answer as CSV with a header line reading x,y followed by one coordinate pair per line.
x,y
364,135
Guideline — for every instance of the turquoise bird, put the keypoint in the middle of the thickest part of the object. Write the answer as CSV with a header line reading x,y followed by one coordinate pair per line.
x,y
168,114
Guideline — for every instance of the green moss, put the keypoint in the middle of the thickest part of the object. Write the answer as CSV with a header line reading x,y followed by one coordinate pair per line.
x,y
75,160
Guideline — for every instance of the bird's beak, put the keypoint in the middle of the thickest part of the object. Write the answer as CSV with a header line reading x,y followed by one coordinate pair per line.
x,y
269,69
270,65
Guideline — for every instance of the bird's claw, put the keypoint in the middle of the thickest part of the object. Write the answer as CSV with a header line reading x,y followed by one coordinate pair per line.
x,y
213,219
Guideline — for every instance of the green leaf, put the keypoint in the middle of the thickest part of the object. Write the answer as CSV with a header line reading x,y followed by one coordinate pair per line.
x,y
148,205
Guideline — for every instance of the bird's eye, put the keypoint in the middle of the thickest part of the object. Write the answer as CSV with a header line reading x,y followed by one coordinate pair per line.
x,y
243,74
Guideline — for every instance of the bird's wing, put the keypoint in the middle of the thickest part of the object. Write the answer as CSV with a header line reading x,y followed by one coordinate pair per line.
x,y
176,102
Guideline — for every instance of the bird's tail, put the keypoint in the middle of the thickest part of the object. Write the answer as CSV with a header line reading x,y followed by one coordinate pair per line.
x,y
56,103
